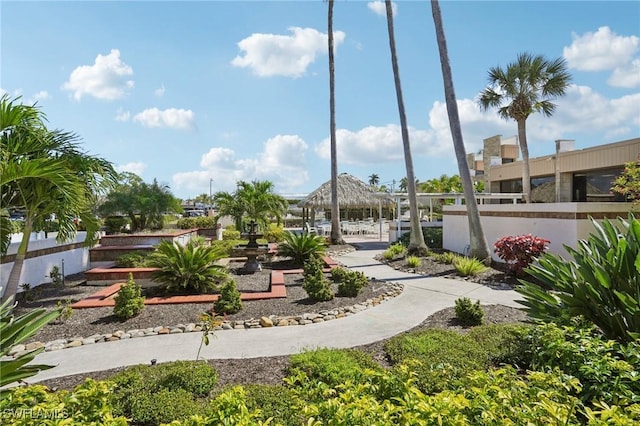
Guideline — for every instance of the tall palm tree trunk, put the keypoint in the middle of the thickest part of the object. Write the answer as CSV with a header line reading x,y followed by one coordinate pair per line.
x,y
416,240
336,234
16,270
526,171
478,242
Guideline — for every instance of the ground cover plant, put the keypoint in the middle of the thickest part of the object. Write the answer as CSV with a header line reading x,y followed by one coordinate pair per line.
x,y
601,283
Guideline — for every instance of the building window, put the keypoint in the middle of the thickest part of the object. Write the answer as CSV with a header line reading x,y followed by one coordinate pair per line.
x,y
543,189
595,185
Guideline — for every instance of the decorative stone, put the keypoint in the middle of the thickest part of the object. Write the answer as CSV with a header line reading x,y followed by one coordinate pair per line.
x,y
317,320
175,331
88,341
15,349
125,336
282,323
163,330
266,322
74,344
33,345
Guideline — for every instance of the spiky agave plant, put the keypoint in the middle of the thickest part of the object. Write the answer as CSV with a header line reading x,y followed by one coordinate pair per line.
x,y
13,331
189,268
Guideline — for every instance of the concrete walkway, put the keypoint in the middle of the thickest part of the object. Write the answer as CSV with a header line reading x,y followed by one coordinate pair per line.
x,y
421,297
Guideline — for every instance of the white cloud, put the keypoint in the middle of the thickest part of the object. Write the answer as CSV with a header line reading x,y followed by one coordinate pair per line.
x,y
627,76
281,162
599,51
159,92
42,95
135,167
284,55
122,115
172,118
583,110
379,8
108,78
605,50
377,144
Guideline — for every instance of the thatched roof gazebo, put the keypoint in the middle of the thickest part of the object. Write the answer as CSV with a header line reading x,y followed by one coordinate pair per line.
x,y
352,193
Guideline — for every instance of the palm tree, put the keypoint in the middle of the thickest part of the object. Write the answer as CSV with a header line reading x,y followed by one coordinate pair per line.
x,y
67,186
254,200
336,234
478,242
416,239
526,86
374,179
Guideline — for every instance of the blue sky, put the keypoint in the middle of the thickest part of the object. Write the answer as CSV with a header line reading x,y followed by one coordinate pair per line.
x,y
186,92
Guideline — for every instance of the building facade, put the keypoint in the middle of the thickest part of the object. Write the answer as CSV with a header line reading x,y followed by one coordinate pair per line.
x,y
583,175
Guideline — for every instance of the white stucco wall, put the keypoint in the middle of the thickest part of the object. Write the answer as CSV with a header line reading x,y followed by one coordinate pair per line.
x,y
36,270
500,220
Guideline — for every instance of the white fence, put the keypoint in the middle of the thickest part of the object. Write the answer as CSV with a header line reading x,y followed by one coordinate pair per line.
x,y
560,223
70,256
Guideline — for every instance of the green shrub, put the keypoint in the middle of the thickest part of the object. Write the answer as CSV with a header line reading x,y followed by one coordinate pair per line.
x,y
504,343
469,313
230,234
601,283
608,371
448,257
413,261
129,300
338,274
275,402
162,393
15,330
352,283
301,247
189,268
468,266
229,301
87,404
115,224
315,283
442,356
134,259
225,247
432,238
274,233
332,366
393,251
201,222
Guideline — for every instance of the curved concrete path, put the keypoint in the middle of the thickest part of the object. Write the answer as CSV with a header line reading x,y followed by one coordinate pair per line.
x,y
421,297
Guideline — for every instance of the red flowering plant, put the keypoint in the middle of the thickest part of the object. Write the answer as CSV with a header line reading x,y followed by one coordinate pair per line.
x,y
519,251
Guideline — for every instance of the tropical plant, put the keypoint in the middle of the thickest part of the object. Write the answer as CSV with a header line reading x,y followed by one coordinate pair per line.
x,y
448,257
129,300
628,183
144,204
44,172
413,261
374,179
315,283
477,241
467,312
526,86
13,331
133,259
519,251
229,301
601,283
208,323
351,283
301,246
256,201
468,266
274,233
191,268
432,237
416,243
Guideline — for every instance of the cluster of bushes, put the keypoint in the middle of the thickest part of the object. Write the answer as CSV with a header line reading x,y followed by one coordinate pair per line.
x,y
133,259
200,222
496,374
301,247
432,238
